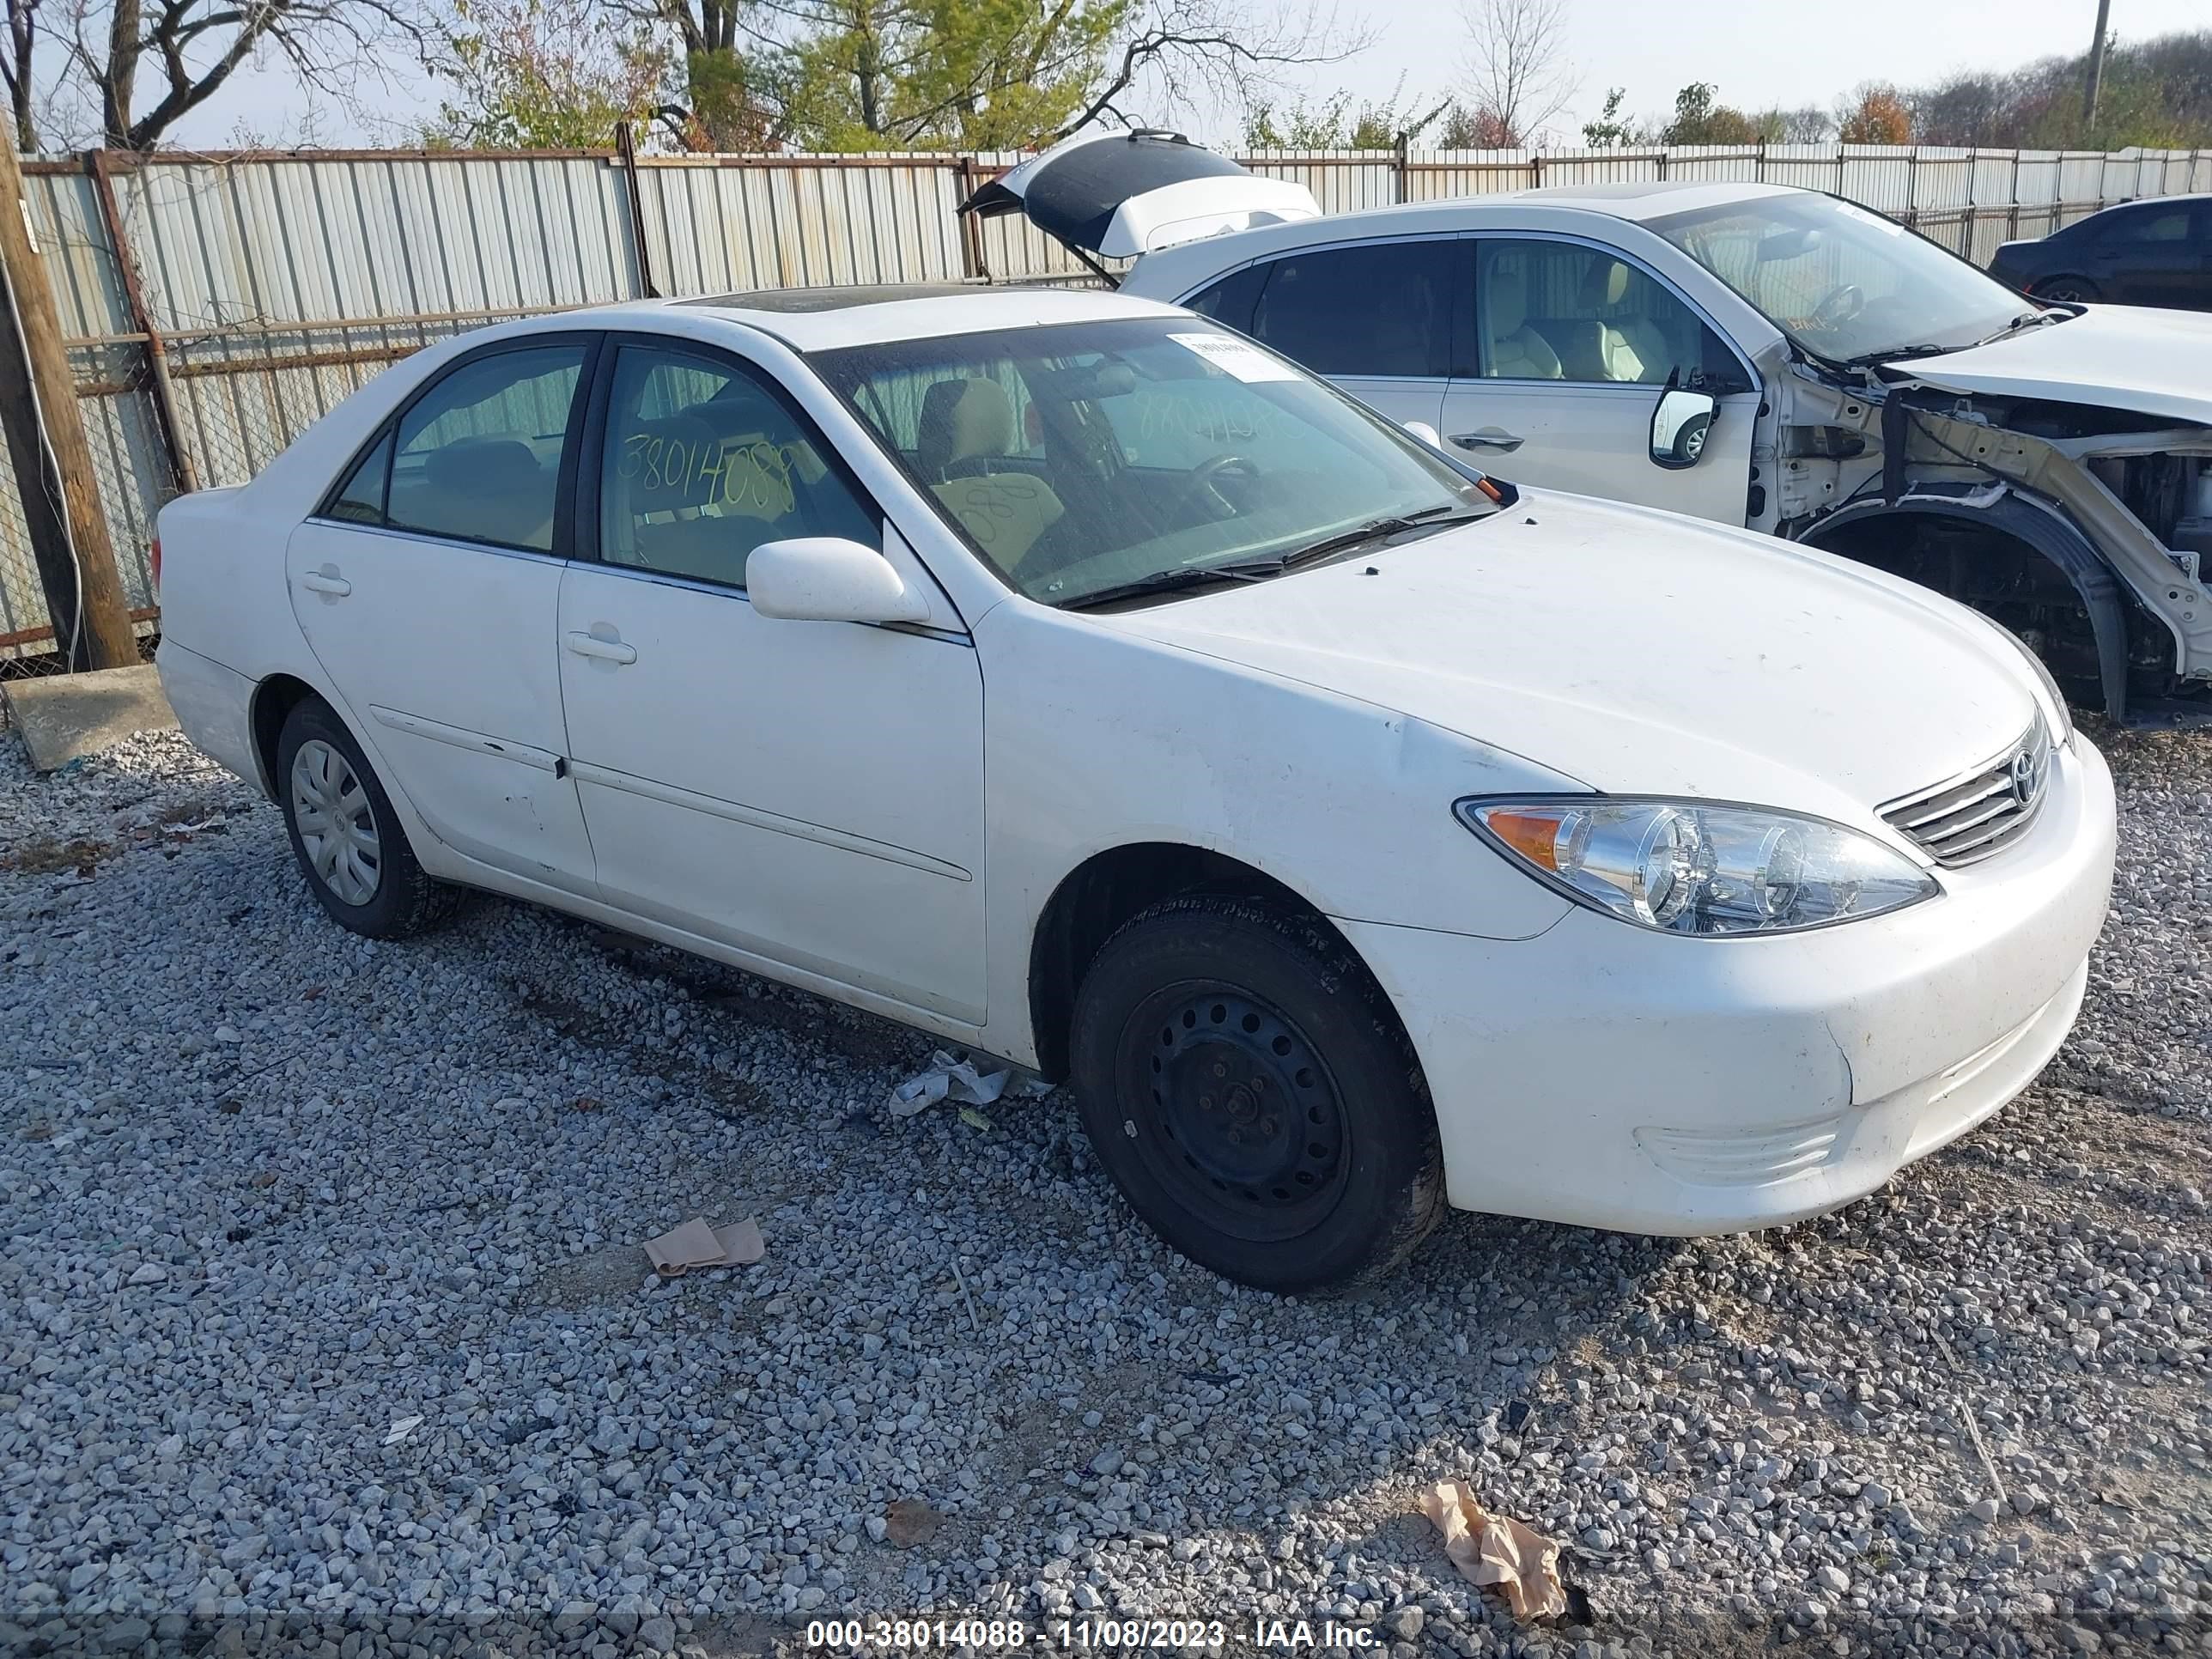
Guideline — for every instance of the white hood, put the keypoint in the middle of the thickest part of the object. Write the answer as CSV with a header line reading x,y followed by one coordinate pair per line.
x,y
2157,362
1639,653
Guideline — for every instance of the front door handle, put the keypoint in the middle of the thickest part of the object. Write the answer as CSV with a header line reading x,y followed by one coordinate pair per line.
x,y
1490,437
326,580
592,645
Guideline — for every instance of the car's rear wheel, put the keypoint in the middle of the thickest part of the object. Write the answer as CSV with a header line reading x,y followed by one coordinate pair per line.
x,y
2069,290
1247,1086
347,839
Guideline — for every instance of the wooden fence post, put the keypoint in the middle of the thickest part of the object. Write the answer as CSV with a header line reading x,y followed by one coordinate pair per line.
x,y
46,440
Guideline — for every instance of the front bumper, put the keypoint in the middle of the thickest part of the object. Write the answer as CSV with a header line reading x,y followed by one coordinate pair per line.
x,y
1607,1076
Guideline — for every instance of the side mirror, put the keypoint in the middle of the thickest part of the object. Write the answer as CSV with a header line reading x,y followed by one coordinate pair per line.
x,y
828,579
1678,425
1427,434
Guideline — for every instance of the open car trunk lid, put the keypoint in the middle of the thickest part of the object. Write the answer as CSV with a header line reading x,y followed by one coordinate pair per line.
x,y
1117,195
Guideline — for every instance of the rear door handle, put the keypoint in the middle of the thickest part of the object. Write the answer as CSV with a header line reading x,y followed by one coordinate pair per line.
x,y
1490,437
328,581
613,651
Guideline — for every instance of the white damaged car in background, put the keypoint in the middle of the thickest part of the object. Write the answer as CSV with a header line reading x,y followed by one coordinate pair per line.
x,y
1759,355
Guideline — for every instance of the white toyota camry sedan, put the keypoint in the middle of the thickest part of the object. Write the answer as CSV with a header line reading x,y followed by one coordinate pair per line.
x,y
1069,677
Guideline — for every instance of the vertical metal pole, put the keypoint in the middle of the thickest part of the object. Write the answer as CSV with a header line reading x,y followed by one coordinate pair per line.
x,y
626,152
1405,171
166,421
971,234
2096,87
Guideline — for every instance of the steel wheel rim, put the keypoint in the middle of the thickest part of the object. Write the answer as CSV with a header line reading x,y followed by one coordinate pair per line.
x,y
337,825
1234,1111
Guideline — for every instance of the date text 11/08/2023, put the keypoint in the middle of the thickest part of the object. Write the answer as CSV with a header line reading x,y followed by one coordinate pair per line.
x,y
1106,1635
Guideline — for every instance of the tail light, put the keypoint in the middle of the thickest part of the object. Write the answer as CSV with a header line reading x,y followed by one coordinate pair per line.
x,y
153,557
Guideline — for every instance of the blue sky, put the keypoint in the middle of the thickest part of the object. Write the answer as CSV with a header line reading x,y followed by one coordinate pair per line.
x,y
1763,52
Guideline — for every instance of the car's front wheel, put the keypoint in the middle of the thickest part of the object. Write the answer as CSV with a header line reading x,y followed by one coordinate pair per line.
x,y
1248,1088
345,834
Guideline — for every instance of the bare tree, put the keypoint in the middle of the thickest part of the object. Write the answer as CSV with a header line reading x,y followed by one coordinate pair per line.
x,y
1173,56
1518,72
15,70
195,47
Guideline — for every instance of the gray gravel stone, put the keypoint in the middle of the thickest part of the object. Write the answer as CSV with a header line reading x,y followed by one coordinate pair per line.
x,y
267,1189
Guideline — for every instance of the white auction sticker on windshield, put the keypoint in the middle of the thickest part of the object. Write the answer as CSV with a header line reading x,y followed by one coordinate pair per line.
x,y
1234,357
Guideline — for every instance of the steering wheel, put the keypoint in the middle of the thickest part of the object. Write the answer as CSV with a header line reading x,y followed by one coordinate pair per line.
x,y
1200,484
1837,307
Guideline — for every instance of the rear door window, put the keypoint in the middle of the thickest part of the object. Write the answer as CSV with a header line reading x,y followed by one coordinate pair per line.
x,y
477,456
2149,225
1379,308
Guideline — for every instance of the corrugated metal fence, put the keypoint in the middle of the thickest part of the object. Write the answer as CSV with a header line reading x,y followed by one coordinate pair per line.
x,y
218,304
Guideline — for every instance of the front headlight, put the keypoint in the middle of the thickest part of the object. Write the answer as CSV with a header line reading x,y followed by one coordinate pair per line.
x,y
1683,867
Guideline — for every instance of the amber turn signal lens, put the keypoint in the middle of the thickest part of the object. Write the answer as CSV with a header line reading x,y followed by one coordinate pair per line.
x,y
1534,836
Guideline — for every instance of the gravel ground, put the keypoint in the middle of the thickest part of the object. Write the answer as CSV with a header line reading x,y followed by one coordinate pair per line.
x,y
269,1191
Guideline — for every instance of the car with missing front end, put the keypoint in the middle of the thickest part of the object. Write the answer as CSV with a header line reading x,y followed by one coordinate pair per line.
x,y
1763,356
1064,675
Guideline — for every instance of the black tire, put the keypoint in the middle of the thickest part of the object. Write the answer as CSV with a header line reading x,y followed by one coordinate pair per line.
x,y
404,901
2067,290
1195,1020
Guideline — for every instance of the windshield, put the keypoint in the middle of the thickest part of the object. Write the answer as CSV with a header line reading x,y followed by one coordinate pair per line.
x,y
1841,282
1085,457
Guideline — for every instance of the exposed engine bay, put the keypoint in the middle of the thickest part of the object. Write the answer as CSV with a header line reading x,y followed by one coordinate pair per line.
x,y
2084,530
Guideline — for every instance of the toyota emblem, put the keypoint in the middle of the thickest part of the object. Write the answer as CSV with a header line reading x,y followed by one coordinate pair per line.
x,y
2026,774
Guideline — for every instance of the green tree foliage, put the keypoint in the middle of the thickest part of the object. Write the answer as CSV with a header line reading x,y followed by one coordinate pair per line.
x,y
1701,119
1611,130
1332,124
2157,93
850,75
540,75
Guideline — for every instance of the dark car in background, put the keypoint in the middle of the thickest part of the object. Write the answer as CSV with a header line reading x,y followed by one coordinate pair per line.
x,y
2157,252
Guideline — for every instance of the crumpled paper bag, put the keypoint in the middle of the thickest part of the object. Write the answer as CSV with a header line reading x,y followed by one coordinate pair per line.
x,y
1497,1550
694,1244
960,1079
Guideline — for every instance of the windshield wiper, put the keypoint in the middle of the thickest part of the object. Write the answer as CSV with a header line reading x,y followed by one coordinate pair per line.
x,y
1867,359
2025,319
1258,570
1175,581
1429,517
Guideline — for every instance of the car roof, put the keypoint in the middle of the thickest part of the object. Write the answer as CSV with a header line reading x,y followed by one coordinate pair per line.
x,y
825,318
1184,266
2144,202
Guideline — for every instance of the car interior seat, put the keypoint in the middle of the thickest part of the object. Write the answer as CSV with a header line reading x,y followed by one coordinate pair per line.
x,y
1518,351
1627,348
965,426
696,495
490,490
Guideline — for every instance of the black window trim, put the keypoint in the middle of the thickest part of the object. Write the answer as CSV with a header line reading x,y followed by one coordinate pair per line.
x,y
590,339
584,513
1470,369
